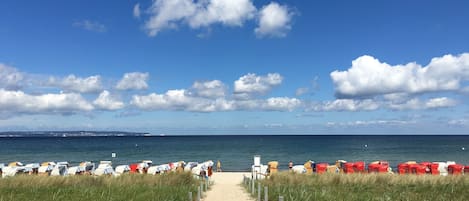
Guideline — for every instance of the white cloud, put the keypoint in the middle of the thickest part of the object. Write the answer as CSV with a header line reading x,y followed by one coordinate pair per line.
x,y
345,105
18,102
251,84
107,102
179,100
226,12
91,84
369,123
417,104
348,105
136,10
90,26
369,77
10,78
133,81
301,91
166,14
281,104
274,21
458,122
209,89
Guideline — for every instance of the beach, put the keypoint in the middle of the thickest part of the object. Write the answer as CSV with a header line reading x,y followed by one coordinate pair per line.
x,y
227,187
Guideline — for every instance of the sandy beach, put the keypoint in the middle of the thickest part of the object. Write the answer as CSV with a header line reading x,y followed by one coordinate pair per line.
x,y
227,187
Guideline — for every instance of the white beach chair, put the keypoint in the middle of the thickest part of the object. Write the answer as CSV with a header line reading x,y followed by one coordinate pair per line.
x,y
121,169
104,168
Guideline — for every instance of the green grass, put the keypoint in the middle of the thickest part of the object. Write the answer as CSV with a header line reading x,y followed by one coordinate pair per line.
x,y
168,187
296,187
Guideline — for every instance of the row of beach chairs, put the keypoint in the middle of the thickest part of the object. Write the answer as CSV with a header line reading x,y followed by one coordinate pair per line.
x,y
103,168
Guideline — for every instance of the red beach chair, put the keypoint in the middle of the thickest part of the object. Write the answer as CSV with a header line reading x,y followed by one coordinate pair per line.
x,y
134,168
321,168
455,169
403,168
348,168
434,168
359,166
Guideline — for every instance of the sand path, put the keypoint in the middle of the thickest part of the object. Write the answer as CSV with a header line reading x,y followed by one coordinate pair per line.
x,y
227,187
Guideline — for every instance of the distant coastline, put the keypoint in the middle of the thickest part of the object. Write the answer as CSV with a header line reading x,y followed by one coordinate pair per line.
x,y
73,134
78,133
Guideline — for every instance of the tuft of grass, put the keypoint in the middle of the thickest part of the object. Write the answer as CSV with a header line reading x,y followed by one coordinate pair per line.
x,y
300,187
132,187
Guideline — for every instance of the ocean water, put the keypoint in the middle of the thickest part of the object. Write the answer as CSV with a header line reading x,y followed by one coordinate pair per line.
x,y
236,152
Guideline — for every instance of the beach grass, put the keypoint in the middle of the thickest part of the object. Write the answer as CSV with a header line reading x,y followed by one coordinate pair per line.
x,y
300,187
132,187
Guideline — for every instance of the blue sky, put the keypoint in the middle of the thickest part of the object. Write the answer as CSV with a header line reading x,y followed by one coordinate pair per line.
x,y
235,67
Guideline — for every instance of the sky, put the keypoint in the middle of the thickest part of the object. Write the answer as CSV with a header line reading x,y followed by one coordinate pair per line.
x,y
235,66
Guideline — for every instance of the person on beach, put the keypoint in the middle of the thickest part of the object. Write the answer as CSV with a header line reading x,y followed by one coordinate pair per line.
x,y
290,165
218,166
209,171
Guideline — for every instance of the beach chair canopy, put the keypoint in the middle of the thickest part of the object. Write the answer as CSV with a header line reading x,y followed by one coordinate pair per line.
x,y
30,167
105,162
149,162
142,165
64,163
15,164
190,165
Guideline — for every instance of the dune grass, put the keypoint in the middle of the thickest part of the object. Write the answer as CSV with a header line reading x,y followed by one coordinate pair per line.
x,y
170,187
299,187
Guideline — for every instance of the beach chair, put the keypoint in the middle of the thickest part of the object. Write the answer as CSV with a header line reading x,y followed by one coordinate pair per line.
x,y
122,169
60,169
31,168
12,169
46,168
273,167
104,168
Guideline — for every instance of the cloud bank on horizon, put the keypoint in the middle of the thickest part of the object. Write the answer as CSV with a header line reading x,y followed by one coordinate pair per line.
x,y
366,86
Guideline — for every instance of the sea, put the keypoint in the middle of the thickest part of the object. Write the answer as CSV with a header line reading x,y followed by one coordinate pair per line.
x,y
236,152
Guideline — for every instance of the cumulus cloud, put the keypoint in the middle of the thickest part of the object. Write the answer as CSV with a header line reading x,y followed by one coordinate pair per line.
x,y
91,84
18,102
133,81
274,21
88,25
106,101
252,84
136,10
180,100
209,89
10,77
166,14
281,104
368,77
